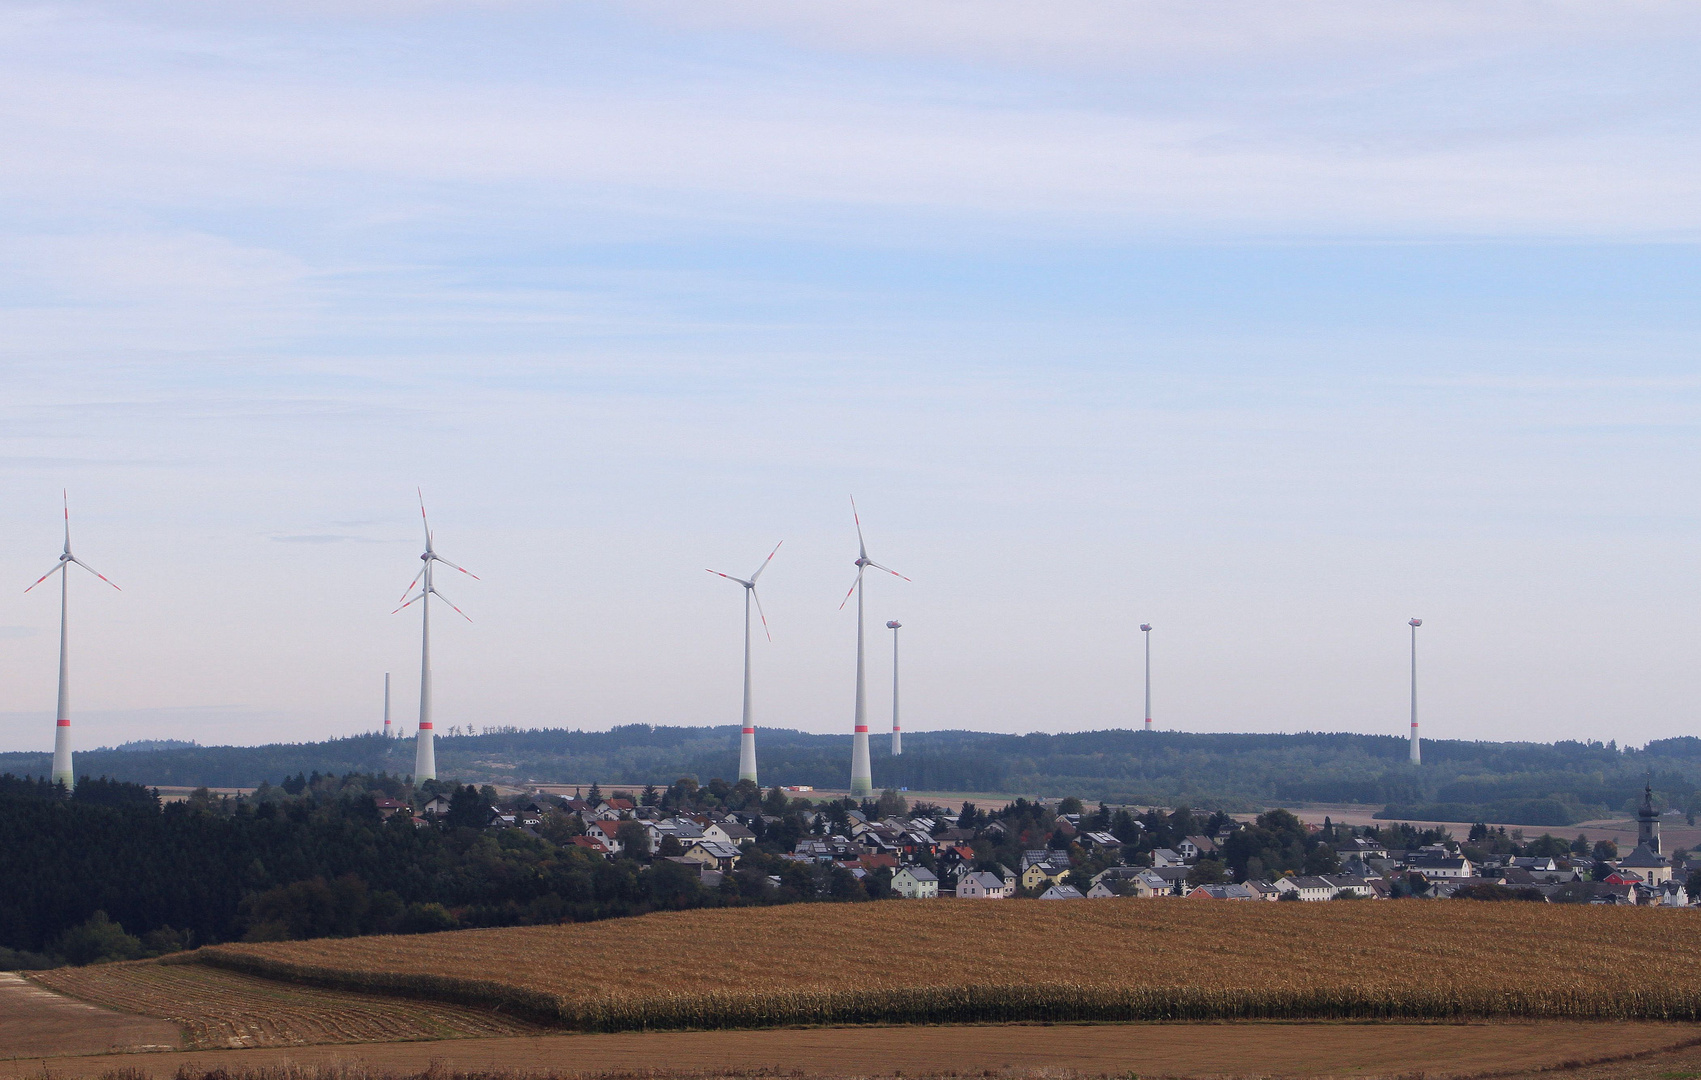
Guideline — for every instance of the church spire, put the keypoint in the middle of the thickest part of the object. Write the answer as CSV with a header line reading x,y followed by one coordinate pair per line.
x,y
1648,821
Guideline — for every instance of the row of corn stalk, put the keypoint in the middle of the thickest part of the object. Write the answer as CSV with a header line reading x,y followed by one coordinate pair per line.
x,y
1050,1001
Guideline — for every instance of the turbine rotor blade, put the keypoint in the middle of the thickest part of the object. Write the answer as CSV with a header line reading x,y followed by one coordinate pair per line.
x,y
758,598
861,545
425,520
66,496
452,566
92,570
764,565
47,575
729,577
410,603
888,569
412,583
854,584
451,603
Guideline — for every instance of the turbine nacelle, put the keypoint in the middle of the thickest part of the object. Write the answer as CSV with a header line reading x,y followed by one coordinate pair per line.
x,y
862,562
1415,622
893,624
66,558
1146,626
750,585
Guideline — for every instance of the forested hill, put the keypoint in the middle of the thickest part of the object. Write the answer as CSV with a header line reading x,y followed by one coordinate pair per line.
x,y
1529,783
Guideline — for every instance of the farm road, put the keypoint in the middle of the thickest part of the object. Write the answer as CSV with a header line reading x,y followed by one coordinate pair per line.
x,y
1265,1049
35,1022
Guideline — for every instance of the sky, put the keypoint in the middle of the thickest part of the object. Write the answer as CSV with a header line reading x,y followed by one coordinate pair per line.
x,y
1272,325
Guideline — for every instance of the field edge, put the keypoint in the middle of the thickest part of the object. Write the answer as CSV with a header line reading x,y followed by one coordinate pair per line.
x,y
1042,1002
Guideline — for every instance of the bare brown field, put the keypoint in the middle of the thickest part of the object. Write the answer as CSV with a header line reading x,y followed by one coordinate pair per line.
x,y
34,1021
219,1008
978,962
1622,831
1001,1052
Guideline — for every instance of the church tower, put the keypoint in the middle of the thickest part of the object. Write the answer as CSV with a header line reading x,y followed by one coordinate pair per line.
x,y
1648,822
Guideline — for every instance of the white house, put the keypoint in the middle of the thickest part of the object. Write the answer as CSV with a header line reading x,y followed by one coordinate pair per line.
x,y
980,885
1062,892
1351,886
609,833
1308,888
1446,866
915,883
1191,847
1165,857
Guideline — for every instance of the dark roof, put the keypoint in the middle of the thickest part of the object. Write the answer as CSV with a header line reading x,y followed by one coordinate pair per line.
x,y
1643,857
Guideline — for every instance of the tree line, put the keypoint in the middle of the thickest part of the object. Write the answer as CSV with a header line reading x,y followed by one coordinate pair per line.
x,y
1539,784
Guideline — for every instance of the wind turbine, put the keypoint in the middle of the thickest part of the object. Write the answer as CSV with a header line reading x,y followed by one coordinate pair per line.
x,y
386,704
1146,629
747,737
862,780
425,751
1417,754
897,735
62,773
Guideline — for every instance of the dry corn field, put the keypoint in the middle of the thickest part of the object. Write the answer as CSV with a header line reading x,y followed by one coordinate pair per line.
x,y
219,1008
966,961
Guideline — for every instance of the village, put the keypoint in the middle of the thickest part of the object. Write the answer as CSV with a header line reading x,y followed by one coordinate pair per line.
x,y
1060,850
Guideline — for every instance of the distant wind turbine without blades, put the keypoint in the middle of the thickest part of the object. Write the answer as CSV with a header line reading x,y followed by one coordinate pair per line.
x,y
897,735
425,750
62,773
862,779
747,736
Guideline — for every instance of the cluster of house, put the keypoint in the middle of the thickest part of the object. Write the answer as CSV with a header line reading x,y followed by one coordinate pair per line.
x,y
930,857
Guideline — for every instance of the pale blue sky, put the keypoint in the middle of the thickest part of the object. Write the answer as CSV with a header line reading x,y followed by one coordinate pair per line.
x,y
1273,325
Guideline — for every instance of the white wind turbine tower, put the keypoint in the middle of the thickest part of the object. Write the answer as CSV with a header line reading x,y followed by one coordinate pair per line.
x,y
1417,752
747,736
897,734
425,752
62,773
862,779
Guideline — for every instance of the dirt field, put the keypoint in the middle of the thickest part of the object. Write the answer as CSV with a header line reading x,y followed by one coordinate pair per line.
x,y
34,1021
1674,832
224,1009
965,961
1296,1050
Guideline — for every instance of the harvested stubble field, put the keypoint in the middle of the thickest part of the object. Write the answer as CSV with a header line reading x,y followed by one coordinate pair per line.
x,y
1482,1050
221,1008
979,962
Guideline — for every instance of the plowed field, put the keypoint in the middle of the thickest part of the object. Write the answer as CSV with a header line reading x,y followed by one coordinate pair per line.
x,y
993,1052
979,961
219,1008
